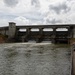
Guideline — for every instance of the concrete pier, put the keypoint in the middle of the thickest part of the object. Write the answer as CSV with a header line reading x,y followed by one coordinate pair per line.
x,y
12,30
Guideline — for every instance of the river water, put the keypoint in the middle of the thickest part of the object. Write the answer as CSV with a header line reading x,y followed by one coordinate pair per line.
x,y
34,59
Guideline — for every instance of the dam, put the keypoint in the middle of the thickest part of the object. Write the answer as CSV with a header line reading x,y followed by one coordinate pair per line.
x,y
37,58
39,33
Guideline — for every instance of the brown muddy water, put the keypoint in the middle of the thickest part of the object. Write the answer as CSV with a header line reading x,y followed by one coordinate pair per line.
x,y
35,59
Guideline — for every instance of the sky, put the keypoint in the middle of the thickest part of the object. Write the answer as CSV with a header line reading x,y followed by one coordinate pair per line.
x,y
36,12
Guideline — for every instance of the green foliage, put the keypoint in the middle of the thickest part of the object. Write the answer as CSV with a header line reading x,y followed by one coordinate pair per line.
x,y
3,38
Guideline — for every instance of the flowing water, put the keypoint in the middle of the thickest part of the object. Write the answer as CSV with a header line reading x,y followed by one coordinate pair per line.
x,y
34,59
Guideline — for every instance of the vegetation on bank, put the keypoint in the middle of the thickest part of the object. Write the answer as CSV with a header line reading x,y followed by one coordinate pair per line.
x,y
3,38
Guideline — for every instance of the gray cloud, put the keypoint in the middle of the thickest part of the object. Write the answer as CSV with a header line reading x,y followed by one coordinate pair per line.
x,y
11,3
35,3
59,8
53,21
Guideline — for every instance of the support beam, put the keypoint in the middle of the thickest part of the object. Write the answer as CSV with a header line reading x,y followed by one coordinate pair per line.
x,y
26,37
73,31
28,31
40,37
54,35
41,31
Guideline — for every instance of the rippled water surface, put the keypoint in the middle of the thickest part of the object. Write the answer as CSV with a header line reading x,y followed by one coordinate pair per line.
x,y
34,59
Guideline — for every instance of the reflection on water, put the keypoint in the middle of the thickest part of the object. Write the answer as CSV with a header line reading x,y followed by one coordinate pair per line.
x,y
34,59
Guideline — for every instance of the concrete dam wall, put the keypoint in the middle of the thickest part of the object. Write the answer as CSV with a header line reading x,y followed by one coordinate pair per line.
x,y
53,33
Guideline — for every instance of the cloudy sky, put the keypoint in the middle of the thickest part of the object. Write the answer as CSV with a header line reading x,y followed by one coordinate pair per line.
x,y
29,12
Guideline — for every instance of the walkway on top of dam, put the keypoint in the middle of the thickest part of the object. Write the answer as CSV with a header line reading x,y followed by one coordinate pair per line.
x,y
43,26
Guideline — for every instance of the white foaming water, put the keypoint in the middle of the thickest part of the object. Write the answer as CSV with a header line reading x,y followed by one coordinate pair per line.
x,y
34,59
33,41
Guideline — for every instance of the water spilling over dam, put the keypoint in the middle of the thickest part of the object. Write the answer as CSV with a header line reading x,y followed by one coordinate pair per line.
x,y
35,59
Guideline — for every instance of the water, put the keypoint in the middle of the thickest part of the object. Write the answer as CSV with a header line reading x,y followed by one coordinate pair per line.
x,y
34,59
